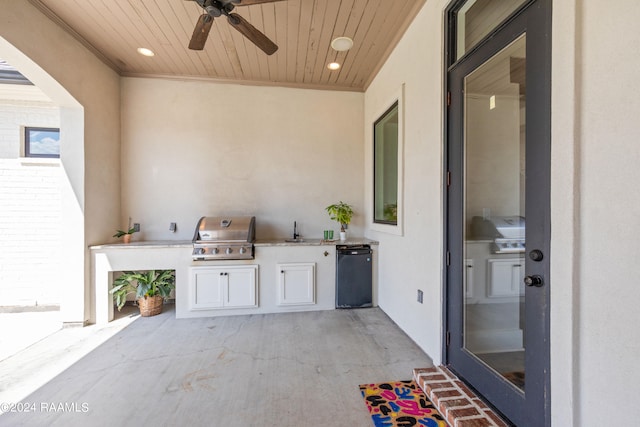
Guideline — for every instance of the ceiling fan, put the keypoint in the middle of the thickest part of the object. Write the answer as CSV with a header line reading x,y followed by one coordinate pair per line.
x,y
214,9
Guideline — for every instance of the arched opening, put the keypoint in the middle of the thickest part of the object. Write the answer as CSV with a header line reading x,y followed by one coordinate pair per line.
x,y
68,249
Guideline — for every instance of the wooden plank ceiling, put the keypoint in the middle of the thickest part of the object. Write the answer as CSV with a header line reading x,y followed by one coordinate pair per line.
x,y
302,29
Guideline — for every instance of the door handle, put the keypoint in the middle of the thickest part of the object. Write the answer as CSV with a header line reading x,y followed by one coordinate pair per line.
x,y
534,280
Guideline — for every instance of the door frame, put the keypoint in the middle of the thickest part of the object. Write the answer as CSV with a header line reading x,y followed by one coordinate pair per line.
x,y
538,23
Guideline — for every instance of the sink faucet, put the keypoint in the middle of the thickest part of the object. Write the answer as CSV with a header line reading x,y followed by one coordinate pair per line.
x,y
295,230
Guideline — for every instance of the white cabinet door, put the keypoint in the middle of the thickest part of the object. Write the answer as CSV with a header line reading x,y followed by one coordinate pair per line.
x,y
223,287
505,277
207,288
296,283
241,287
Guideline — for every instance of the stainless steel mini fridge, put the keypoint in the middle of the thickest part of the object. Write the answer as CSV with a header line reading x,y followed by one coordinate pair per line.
x,y
354,276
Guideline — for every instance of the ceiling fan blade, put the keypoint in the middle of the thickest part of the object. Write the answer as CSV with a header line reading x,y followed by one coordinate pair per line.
x,y
250,2
201,32
252,33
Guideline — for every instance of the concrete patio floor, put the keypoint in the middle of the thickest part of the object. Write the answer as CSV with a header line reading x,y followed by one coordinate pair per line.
x,y
35,349
293,369
22,328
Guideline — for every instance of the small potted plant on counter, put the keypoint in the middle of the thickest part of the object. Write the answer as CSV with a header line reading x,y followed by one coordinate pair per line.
x,y
342,213
151,288
126,235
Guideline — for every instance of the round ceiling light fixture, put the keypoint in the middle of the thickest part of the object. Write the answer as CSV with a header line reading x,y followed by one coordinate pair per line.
x,y
333,66
342,43
146,52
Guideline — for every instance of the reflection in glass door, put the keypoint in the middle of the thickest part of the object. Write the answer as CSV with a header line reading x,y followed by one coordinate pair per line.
x,y
494,212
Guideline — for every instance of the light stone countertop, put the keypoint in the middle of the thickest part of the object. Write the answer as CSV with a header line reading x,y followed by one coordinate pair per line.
x,y
316,242
145,244
262,243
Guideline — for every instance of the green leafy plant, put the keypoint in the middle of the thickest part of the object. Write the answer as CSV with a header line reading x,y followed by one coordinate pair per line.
x,y
120,233
130,230
391,212
342,213
144,284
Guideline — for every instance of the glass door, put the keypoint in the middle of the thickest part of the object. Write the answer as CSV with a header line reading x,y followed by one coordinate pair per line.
x,y
498,157
495,212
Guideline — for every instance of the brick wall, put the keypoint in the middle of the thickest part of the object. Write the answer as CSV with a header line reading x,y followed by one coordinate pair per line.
x,y
29,210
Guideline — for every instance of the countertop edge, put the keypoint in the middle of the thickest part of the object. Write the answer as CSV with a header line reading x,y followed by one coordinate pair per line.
x,y
314,242
159,244
147,244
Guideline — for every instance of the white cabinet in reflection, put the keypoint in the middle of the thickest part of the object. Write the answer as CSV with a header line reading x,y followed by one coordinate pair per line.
x,y
505,277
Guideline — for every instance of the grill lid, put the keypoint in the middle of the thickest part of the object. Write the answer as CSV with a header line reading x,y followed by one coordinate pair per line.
x,y
225,229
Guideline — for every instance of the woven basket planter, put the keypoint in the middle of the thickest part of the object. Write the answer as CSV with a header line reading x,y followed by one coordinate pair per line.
x,y
150,306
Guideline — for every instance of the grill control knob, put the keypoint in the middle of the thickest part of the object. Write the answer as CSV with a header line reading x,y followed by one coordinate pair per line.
x,y
243,250
214,250
200,251
228,251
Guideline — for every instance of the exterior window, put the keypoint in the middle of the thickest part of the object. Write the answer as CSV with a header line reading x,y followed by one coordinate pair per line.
x,y
475,19
385,167
41,142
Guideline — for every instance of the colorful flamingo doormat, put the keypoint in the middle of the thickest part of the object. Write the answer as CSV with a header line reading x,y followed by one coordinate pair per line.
x,y
400,403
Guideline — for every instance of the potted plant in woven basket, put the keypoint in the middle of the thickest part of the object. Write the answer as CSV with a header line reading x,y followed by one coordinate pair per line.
x,y
151,288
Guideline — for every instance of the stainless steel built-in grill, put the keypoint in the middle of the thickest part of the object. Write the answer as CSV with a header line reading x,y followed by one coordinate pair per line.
x,y
507,232
224,238
511,234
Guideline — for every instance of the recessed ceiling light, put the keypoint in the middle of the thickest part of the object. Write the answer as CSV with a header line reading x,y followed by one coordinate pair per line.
x,y
333,66
342,43
146,52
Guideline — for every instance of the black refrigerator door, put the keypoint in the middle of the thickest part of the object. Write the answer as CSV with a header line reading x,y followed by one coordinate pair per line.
x,y
354,278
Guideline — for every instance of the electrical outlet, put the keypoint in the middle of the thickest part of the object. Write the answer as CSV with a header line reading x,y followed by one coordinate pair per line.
x,y
136,227
173,227
419,296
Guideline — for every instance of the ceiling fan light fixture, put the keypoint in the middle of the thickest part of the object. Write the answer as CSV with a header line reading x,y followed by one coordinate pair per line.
x,y
146,52
333,66
342,44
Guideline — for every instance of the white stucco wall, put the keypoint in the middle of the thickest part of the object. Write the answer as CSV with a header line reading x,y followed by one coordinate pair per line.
x,y
88,94
596,212
193,149
413,260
